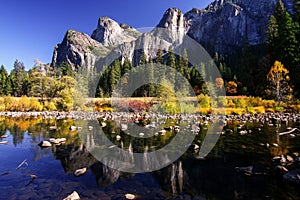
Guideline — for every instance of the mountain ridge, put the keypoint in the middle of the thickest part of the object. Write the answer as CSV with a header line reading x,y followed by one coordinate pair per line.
x,y
220,27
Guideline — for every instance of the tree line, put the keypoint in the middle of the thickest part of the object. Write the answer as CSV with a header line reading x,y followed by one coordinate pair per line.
x,y
40,81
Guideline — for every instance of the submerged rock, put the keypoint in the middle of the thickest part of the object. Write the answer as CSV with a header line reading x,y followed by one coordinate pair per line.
x,y
53,127
118,137
4,142
73,196
293,176
57,141
45,144
80,172
130,196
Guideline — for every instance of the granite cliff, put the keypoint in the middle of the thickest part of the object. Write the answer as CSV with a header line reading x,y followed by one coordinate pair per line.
x,y
223,26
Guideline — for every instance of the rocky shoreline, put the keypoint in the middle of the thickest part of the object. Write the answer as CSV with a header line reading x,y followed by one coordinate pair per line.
x,y
269,118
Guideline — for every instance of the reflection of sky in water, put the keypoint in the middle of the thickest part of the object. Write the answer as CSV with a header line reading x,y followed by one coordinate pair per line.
x,y
214,177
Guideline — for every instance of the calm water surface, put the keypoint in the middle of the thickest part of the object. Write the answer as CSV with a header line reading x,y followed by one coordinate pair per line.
x,y
215,177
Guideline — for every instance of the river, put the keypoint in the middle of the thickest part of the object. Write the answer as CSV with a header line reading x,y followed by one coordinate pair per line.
x,y
240,166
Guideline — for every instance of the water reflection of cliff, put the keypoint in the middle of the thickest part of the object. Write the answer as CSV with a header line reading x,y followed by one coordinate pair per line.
x,y
213,178
74,157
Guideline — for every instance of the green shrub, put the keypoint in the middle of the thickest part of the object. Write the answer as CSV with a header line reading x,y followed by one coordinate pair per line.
x,y
187,108
222,101
279,109
204,101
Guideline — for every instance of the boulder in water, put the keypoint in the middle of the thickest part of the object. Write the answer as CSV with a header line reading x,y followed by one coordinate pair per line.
x,y
45,144
80,172
73,196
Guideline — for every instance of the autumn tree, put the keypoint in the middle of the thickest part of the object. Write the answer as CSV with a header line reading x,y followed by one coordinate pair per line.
x,y
231,88
219,83
279,78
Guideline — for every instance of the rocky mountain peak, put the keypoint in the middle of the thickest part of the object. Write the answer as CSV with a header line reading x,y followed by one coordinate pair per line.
x,y
173,19
110,33
74,37
76,49
215,5
224,26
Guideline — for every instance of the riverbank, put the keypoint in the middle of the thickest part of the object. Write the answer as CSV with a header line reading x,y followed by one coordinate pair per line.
x,y
263,118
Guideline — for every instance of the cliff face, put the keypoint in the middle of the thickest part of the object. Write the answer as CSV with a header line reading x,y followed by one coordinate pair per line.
x,y
77,49
221,27
225,24
80,49
110,33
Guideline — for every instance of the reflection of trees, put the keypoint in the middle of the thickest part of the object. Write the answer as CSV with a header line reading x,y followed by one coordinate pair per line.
x,y
18,135
213,178
39,128
274,138
38,153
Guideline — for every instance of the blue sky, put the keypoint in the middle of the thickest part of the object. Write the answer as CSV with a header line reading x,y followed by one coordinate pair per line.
x,y
30,29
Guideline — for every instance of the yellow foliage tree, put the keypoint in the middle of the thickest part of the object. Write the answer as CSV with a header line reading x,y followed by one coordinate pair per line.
x,y
278,77
219,82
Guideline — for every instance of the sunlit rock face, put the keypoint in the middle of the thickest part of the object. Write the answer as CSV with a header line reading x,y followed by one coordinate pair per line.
x,y
110,33
77,49
173,19
226,24
223,26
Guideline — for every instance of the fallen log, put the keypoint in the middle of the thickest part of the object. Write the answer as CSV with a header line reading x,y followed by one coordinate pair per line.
x,y
289,132
22,163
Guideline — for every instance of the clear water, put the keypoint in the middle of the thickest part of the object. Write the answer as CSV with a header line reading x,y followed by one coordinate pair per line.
x,y
215,177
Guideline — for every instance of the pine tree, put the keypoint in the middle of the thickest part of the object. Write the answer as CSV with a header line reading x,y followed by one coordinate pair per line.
x,y
297,10
273,34
151,79
19,80
115,74
5,84
66,69
171,62
159,57
160,62
143,59
126,67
